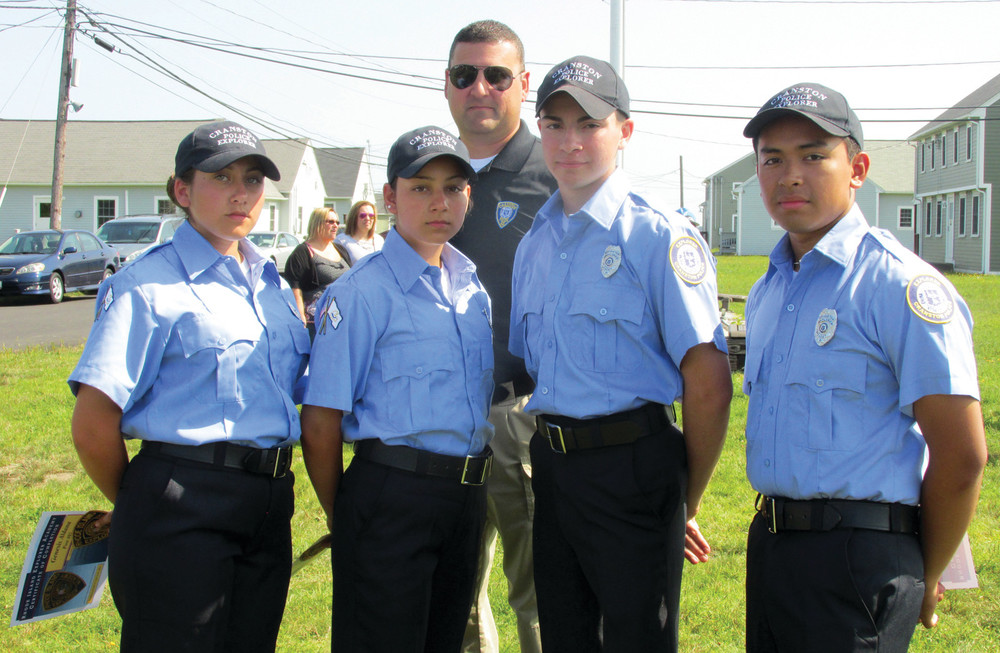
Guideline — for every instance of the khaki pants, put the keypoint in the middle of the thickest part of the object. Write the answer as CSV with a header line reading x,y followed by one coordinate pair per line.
x,y
510,509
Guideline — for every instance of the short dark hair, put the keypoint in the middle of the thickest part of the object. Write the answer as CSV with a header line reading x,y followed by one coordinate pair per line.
x,y
487,31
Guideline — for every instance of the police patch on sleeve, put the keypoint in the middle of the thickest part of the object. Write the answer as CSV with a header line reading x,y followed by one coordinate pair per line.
x,y
929,299
329,314
506,212
687,258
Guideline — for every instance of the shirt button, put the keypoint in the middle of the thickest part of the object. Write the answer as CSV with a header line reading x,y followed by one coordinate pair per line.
x,y
779,358
420,370
770,411
545,391
604,311
549,343
563,256
221,341
819,383
767,463
790,308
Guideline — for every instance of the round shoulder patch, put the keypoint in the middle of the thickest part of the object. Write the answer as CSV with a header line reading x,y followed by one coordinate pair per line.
x,y
687,258
929,299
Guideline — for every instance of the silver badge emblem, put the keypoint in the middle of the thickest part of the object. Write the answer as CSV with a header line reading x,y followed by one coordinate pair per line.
x,y
611,260
826,326
506,212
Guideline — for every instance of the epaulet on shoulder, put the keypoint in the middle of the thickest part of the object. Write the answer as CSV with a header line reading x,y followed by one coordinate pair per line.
x,y
155,248
889,243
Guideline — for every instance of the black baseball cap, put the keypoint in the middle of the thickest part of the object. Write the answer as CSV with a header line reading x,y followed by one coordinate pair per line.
x,y
213,146
825,107
593,83
415,149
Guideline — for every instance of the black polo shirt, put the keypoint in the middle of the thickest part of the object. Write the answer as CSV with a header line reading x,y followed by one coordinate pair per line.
x,y
505,198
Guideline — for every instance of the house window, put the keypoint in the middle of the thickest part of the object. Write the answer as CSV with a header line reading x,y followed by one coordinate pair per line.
x,y
105,208
927,220
164,206
961,215
905,217
968,143
954,147
274,217
940,220
933,152
975,214
923,156
944,150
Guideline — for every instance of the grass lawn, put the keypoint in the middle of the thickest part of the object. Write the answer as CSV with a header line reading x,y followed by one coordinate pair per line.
x,y
39,471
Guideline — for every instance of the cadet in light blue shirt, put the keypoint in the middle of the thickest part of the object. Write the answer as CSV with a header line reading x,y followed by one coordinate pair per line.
x,y
197,350
402,367
860,371
615,313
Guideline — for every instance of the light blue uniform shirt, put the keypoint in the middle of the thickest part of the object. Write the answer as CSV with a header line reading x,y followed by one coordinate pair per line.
x,y
190,354
408,363
836,356
604,313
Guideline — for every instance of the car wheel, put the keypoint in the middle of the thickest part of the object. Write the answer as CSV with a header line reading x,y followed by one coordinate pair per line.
x,y
56,288
107,274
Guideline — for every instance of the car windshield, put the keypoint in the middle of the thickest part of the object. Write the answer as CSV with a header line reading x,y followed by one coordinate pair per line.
x,y
31,244
261,240
129,232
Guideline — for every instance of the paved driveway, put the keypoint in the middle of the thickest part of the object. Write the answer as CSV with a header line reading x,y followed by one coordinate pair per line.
x,y
29,322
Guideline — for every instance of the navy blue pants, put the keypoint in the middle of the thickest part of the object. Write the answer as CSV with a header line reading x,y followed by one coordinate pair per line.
x,y
405,553
609,544
199,557
833,591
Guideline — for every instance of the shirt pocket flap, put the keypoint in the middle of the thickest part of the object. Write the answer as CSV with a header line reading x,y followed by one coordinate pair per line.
x,y
416,360
828,371
300,337
606,302
197,334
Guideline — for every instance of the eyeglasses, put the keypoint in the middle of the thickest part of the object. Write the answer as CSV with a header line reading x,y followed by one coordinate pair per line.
x,y
464,75
332,222
367,216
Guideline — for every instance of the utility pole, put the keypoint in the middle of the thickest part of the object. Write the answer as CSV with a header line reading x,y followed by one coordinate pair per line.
x,y
65,78
682,181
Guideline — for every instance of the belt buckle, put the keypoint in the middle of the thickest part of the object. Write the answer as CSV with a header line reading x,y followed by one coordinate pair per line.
x,y
560,446
277,470
771,511
487,464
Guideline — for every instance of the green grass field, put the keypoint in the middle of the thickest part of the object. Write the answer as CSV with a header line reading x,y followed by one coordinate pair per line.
x,y
39,471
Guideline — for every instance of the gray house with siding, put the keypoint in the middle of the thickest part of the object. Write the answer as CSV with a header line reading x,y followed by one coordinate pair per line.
x,y
720,210
886,198
118,168
957,164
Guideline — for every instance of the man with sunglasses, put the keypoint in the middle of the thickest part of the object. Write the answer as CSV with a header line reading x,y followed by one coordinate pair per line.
x,y
485,84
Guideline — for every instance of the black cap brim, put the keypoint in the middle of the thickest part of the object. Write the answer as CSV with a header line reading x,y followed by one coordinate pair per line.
x,y
222,159
417,164
592,105
764,118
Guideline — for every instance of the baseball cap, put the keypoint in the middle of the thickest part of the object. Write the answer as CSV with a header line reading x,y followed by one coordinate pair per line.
x,y
825,107
593,83
415,149
213,146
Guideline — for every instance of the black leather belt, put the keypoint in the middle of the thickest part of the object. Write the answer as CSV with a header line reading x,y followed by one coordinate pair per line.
x,y
468,470
566,434
267,462
827,514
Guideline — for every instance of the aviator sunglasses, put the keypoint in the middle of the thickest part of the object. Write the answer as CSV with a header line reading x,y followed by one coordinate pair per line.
x,y
464,75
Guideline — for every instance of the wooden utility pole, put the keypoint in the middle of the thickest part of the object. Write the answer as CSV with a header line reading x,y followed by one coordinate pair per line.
x,y
65,78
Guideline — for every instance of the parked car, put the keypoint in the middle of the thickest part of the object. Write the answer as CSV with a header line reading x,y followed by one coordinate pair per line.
x,y
276,245
133,235
55,262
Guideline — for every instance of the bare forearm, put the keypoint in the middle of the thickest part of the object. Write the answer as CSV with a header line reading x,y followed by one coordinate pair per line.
x,y
96,429
300,303
323,453
708,389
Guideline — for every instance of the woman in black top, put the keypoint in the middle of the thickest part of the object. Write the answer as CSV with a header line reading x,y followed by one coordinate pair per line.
x,y
315,264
